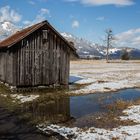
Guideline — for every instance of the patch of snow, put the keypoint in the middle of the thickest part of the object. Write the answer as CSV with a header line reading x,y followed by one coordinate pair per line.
x,y
101,52
122,132
66,35
24,98
3,95
105,77
104,87
86,81
79,47
113,50
133,113
86,52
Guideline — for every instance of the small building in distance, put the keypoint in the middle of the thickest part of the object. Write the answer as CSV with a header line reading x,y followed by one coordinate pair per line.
x,y
35,56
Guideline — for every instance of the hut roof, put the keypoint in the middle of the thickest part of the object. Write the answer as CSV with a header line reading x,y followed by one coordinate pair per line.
x,y
19,35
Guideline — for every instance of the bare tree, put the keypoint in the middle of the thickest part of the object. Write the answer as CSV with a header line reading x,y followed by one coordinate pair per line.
x,y
109,39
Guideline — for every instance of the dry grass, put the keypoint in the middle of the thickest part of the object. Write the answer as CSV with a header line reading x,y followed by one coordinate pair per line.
x,y
116,138
119,105
4,89
79,86
103,61
108,120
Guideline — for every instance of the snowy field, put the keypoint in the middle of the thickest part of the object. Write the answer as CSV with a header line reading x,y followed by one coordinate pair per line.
x,y
99,76
120,133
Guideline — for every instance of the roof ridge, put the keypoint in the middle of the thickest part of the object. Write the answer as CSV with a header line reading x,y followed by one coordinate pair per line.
x,y
16,37
29,30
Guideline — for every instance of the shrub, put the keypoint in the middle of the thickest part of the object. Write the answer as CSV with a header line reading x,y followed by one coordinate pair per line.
x,y
125,55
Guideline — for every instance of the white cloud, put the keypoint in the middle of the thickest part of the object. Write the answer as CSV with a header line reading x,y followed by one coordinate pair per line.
x,y
8,19
130,38
104,2
100,18
26,22
71,0
8,14
136,41
31,2
43,0
42,14
44,11
75,24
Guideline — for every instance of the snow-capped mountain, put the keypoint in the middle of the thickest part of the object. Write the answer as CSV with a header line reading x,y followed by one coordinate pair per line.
x,y
84,47
6,29
87,49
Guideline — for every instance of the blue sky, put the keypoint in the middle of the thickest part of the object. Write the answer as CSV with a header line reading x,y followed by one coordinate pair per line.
x,y
84,18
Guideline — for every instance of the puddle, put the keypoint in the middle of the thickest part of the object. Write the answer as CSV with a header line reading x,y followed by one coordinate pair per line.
x,y
93,103
56,109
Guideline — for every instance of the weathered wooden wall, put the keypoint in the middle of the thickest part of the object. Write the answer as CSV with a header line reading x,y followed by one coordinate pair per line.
x,y
6,66
34,61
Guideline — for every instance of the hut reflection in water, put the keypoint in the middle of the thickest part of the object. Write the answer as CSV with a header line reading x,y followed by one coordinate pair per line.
x,y
52,109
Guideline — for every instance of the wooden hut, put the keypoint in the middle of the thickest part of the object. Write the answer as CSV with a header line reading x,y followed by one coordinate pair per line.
x,y
35,56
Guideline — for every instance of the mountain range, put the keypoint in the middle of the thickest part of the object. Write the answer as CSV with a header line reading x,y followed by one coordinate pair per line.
x,y
85,48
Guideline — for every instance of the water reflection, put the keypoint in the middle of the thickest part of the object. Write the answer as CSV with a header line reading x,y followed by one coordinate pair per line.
x,y
55,108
